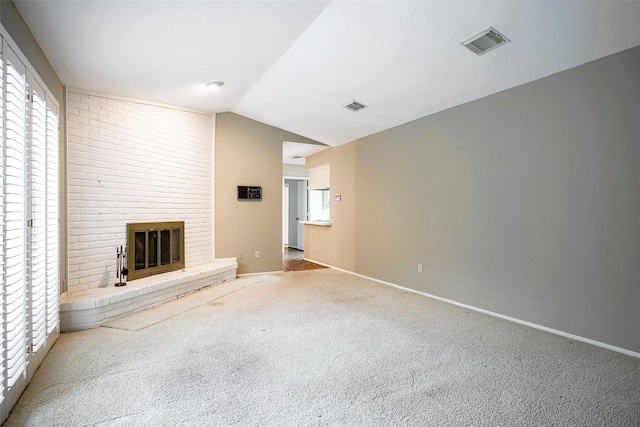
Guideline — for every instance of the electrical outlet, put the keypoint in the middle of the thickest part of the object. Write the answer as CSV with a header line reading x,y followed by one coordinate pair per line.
x,y
240,256
419,268
257,254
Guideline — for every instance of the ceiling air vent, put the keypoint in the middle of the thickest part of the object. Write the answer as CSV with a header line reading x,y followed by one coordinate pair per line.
x,y
354,105
485,41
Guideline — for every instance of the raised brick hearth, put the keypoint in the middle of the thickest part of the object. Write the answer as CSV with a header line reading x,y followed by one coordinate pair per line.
x,y
91,308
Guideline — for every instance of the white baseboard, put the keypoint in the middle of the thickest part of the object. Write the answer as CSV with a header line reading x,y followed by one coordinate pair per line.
x,y
491,313
260,273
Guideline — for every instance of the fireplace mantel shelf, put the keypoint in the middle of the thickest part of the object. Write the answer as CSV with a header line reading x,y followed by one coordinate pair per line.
x,y
93,307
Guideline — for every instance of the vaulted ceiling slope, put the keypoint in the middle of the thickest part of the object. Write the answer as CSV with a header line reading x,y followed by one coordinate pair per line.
x,y
293,64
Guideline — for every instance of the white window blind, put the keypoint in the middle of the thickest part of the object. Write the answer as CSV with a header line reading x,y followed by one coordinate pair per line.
x,y
29,265
2,293
52,215
15,89
36,181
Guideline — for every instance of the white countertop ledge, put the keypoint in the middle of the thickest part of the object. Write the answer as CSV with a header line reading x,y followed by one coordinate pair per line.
x,y
320,223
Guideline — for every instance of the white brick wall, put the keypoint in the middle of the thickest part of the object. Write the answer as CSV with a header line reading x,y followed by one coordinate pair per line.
x,y
133,162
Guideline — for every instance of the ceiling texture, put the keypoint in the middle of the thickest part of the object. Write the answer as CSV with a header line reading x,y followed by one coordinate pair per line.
x,y
293,64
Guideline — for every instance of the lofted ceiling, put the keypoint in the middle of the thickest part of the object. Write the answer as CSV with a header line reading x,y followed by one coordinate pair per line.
x,y
293,64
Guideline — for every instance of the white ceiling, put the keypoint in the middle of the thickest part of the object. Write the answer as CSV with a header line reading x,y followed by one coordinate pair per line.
x,y
292,64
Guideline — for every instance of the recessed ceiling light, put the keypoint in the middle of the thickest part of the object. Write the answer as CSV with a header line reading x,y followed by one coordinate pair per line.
x,y
485,41
215,85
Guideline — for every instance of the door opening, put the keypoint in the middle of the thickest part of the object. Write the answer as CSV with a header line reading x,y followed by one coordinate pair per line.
x,y
294,212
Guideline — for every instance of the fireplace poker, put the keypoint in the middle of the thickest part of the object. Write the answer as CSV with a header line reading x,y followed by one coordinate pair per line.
x,y
121,265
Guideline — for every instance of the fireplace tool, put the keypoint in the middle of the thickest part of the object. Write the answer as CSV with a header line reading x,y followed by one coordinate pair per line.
x,y
121,265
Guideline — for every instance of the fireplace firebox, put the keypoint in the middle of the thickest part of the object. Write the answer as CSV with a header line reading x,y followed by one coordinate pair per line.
x,y
154,248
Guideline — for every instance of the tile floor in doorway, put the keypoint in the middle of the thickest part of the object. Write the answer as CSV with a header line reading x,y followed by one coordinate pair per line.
x,y
292,260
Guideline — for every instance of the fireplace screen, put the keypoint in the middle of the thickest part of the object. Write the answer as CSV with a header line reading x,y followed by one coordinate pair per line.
x,y
154,248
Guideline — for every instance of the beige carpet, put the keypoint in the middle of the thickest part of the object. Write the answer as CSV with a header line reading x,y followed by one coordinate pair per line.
x,y
325,348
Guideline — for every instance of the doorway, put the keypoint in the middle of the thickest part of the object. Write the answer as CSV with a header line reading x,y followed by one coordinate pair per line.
x,y
295,209
294,212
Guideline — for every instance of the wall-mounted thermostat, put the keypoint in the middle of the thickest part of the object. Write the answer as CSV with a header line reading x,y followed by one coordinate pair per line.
x,y
246,192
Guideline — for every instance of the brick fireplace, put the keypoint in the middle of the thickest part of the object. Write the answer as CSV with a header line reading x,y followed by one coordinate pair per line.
x,y
131,162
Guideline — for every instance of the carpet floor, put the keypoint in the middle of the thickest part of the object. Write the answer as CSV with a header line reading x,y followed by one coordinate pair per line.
x,y
321,347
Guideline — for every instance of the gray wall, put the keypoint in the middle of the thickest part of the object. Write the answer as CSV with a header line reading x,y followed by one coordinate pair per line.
x,y
21,34
248,152
525,203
